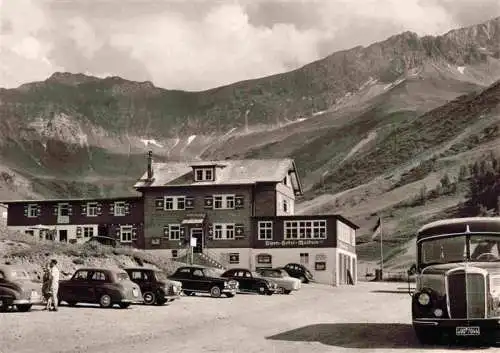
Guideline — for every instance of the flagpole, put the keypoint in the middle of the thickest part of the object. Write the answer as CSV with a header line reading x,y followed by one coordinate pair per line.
x,y
381,252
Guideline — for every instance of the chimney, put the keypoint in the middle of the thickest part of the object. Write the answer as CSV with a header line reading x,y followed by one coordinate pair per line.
x,y
150,165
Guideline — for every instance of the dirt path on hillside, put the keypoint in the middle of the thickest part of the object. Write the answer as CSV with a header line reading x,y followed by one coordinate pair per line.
x,y
371,136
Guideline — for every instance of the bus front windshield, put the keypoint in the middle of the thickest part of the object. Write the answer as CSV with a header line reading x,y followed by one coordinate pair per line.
x,y
481,248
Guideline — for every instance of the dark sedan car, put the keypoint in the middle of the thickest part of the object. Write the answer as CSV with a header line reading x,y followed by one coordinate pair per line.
x,y
105,287
298,271
250,282
156,288
18,289
199,279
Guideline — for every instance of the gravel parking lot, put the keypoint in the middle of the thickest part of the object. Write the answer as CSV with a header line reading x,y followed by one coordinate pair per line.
x,y
368,317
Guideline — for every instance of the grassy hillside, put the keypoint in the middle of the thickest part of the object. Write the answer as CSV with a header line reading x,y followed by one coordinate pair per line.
x,y
419,136
16,248
414,173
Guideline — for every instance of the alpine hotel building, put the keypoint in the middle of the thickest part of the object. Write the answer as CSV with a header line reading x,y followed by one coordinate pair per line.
x,y
241,213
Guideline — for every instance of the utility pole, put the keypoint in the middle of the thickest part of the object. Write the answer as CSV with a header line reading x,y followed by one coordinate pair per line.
x,y
381,250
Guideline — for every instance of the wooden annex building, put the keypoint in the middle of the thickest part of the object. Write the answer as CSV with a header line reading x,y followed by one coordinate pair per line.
x,y
241,213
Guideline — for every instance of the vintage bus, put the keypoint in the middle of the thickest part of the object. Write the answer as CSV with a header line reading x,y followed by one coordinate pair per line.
x,y
457,292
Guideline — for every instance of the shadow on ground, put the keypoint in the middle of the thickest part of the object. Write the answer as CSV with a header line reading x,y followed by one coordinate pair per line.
x,y
359,335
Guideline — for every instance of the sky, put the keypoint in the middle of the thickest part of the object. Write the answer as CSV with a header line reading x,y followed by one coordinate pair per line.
x,y
201,44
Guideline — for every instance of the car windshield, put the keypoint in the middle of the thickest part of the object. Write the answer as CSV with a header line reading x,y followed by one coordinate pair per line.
x,y
122,276
482,248
19,274
160,276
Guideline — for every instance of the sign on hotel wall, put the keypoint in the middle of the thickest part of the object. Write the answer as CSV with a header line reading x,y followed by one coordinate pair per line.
x,y
320,266
292,243
320,262
264,259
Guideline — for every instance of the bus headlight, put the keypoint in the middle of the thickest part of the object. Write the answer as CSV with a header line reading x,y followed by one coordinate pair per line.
x,y
424,299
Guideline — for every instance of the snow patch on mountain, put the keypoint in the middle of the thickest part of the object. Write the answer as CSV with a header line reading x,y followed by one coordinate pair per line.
x,y
190,139
153,142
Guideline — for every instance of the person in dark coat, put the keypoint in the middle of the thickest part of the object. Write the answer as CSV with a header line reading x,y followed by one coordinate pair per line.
x,y
46,288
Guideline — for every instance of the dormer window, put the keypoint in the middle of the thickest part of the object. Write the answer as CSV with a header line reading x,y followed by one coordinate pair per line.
x,y
203,174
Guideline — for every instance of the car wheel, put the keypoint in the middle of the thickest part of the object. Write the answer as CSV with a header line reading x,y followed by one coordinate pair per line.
x,y
149,298
269,292
229,295
4,306
215,292
160,302
105,301
124,305
71,303
426,335
287,291
23,307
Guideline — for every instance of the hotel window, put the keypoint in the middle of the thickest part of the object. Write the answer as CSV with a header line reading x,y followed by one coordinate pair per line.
x,y
222,202
33,210
126,234
63,209
119,208
92,209
174,203
285,205
234,258
304,258
88,232
203,174
265,230
314,229
174,231
174,253
223,231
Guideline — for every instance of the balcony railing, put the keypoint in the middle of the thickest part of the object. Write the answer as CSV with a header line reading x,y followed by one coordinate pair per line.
x,y
62,219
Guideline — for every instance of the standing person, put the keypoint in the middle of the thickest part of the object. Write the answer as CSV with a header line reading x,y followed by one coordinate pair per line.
x,y
46,292
54,283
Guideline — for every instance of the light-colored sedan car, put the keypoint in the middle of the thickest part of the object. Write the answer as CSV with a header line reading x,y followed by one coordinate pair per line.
x,y
286,284
18,289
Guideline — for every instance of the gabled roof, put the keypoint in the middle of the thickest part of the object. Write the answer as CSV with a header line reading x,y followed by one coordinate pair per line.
x,y
228,172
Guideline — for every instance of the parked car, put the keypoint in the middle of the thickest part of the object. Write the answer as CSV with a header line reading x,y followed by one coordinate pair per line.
x,y
286,283
298,271
156,288
199,279
102,286
103,240
18,289
250,282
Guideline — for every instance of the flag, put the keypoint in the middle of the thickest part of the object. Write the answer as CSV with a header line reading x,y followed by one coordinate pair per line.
x,y
377,230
